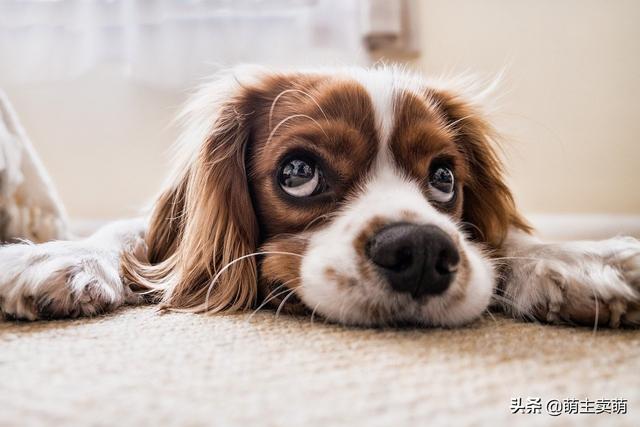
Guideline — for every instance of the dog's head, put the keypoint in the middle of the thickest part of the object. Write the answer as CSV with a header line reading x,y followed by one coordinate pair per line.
x,y
365,196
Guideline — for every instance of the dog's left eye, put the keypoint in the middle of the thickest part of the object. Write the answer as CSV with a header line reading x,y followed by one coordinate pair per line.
x,y
300,178
441,184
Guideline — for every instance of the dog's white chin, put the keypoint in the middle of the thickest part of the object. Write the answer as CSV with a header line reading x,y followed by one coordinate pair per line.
x,y
352,305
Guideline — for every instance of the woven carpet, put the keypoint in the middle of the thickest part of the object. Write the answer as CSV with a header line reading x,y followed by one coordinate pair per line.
x,y
139,368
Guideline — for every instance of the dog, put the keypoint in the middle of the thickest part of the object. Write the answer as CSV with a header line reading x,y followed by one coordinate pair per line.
x,y
367,197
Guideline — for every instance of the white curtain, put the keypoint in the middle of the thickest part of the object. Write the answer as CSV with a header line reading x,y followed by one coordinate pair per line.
x,y
171,42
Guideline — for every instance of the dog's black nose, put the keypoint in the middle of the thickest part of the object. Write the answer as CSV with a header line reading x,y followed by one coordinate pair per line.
x,y
417,259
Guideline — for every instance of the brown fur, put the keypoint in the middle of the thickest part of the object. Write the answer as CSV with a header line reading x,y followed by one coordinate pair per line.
x,y
202,225
488,203
338,127
421,136
206,228
280,271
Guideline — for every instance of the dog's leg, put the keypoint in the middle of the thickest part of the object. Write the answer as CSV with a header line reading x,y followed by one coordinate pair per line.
x,y
69,278
585,282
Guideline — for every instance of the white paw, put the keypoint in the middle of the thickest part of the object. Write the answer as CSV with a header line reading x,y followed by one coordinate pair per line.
x,y
578,282
59,279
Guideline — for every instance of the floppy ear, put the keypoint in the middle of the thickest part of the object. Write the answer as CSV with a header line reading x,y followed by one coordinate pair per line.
x,y
204,223
488,202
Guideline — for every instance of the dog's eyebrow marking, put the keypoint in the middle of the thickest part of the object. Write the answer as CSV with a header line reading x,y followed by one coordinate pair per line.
x,y
277,98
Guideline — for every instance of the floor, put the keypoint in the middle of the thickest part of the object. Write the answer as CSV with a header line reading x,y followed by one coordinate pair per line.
x,y
137,367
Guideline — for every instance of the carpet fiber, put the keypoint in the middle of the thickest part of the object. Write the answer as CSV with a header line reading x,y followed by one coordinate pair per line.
x,y
136,367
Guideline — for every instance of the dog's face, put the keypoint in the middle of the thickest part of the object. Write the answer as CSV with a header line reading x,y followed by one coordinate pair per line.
x,y
366,196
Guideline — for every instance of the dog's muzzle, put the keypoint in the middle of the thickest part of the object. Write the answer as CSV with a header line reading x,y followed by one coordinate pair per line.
x,y
416,259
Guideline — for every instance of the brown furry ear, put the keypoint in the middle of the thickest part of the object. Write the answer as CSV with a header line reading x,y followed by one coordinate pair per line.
x,y
488,203
204,224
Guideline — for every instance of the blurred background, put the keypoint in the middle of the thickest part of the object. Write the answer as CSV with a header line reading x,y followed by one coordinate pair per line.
x,y
96,83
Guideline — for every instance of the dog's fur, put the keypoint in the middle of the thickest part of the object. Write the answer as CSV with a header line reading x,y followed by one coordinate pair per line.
x,y
224,236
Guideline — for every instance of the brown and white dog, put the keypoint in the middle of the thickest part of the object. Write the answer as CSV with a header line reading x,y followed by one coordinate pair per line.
x,y
365,196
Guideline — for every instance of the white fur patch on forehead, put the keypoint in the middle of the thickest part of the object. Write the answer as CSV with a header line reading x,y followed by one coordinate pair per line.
x,y
391,195
384,84
381,89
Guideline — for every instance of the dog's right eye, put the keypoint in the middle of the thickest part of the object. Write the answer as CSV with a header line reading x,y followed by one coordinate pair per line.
x,y
442,184
300,178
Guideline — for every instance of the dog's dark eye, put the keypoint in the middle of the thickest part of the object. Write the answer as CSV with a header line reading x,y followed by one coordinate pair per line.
x,y
441,184
300,178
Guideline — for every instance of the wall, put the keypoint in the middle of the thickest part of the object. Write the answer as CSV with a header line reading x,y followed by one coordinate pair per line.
x,y
569,104
568,108
104,139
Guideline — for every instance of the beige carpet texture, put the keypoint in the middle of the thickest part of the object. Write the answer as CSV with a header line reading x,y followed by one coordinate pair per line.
x,y
136,367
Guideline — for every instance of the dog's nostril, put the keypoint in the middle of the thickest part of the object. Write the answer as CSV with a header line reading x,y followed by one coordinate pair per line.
x,y
388,252
447,261
417,259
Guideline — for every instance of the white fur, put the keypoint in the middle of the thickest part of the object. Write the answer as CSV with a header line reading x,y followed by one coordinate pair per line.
x,y
559,280
68,278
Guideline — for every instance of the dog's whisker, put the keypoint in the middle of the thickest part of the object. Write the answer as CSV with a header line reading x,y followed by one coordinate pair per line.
x,y
516,258
509,303
491,315
316,219
284,300
475,227
452,126
271,296
277,98
235,261
313,313
294,116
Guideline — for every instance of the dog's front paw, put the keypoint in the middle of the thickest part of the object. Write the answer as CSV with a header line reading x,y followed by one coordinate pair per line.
x,y
578,282
59,279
